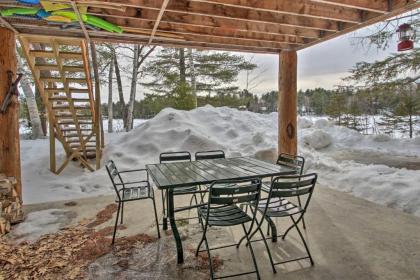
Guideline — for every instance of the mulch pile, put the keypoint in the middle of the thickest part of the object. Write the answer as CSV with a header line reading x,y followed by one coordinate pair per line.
x,y
67,253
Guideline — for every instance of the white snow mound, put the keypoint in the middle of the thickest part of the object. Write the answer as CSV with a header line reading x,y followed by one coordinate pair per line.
x,y
304,123
237,133
318,139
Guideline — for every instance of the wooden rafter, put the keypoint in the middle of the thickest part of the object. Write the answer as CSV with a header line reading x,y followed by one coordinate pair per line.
x,y
247,25
159,17
8,25
295,7
378,6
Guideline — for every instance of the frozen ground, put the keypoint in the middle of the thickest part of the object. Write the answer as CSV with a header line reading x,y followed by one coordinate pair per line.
x,y
238,133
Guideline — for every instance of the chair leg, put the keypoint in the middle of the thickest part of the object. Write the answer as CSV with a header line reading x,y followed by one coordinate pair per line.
x,y
252,252
122,212
156,217
303,239
303,220
209,256
163,202
116,223
202,238
287,230
266,246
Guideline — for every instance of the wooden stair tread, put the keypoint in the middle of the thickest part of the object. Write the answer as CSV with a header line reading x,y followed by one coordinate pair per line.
x,y
65,98
77,141
73,90
66,68
67,106
59,80
64,129
51,54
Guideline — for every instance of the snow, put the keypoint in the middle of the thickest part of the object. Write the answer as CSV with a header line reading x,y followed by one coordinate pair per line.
x,y
318,139
237,133
39,223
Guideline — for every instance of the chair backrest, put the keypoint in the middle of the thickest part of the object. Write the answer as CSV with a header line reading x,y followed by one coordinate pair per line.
x,y
234,191
174,156
203,155
114,175
293,186
294,161
229,192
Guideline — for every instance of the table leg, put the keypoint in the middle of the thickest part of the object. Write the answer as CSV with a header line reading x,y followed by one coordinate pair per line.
x,y
165,214
273,229
171,216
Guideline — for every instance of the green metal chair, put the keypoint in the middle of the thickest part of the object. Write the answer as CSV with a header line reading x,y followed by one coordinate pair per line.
x,y
214,154
293,161
181,156
139,190
279,204
222,210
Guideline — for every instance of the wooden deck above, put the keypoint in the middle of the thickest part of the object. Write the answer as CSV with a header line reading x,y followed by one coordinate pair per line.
x,y
238,25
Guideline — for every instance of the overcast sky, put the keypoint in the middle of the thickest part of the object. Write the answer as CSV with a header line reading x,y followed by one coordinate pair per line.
x,y
322,65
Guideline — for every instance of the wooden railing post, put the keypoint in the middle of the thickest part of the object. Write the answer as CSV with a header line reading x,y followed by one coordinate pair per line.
x,y
287,102
9,121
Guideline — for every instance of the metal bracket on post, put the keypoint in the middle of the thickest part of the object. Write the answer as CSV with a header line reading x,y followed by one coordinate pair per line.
x,y
13,90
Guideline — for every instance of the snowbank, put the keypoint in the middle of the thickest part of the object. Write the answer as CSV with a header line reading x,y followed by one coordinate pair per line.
x,y
237,133
318,139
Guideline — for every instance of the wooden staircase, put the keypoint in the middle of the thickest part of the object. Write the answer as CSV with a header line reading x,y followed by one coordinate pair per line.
x,y
60,68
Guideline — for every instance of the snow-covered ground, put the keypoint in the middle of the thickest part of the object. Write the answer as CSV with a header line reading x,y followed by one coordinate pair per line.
x,y
238,133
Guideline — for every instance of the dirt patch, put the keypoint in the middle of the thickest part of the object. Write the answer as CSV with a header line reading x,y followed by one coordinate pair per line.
x,y
70,203
104,215
203,261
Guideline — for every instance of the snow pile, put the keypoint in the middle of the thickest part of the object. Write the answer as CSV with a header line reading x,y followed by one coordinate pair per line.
x,y
317,139
304,123
237,133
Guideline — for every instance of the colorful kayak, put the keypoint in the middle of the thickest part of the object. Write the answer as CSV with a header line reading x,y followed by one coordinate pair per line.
x,y
19,11
103,24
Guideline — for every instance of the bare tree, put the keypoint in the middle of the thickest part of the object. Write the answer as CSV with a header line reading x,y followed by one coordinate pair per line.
x,y
110,105
26,86
254,76
140,53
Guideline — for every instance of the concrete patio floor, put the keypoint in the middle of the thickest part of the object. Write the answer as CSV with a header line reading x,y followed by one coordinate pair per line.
x,y
349,238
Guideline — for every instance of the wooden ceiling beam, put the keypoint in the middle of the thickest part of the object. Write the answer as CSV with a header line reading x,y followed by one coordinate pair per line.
x,y
180,29
377,6
132,19
398,8
188,40
295,7
221,11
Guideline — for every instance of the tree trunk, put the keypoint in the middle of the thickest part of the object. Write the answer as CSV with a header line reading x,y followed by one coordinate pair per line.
x,y
182,75
120,90
9,121
134,77
31,103
410,123
193,81
110,105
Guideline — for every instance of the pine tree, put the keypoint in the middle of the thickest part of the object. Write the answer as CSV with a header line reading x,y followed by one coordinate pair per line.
x,y
205,72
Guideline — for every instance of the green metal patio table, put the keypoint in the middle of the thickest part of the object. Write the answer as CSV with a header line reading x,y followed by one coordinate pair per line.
x,y
169,176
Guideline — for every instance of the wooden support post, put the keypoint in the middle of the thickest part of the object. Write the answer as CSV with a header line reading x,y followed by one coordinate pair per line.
x,y
98,114
9,122
287,99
